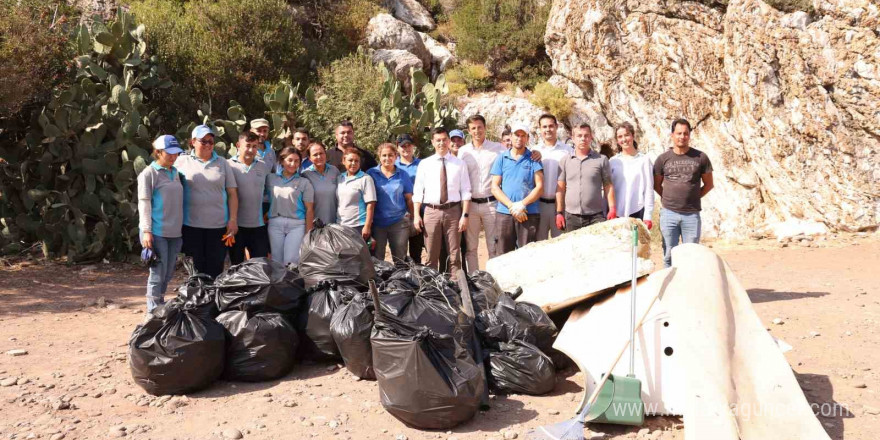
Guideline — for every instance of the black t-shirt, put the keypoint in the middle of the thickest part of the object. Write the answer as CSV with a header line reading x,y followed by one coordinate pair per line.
x,y
682,178
334,157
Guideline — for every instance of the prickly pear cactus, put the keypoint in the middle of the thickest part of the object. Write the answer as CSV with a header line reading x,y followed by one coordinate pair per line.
x,y
72,185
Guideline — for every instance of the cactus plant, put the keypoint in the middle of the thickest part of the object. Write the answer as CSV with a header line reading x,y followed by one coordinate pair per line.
x,y
71,185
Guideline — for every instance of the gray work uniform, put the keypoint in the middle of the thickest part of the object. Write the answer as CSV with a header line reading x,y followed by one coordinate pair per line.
x,y
287,196
205,202
584,183
352,195
251,180
160,201
325,191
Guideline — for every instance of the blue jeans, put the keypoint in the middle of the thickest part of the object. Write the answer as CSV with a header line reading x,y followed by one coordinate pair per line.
x,y
285,239
675,226
162,272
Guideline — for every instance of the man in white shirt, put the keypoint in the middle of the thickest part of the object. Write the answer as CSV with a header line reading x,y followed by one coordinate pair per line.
x,y
443,186
479,155
552,151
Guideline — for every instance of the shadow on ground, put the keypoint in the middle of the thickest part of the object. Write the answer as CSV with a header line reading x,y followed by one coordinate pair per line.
x,y
820,395
770,295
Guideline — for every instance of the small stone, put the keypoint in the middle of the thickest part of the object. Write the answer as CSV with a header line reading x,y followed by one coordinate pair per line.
x,y
510,435
401,437
643,432
59,405
861,385
332,368
233,434
778,321
290,404
337,394
307,423
57,436
22,381
814,334
333,424
553,412
118,431
871,410
8,382
17,352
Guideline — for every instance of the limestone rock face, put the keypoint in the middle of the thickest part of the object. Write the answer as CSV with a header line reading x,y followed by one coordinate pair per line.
x,y
387,32
441,57
562,271
413,13
398,62
787,107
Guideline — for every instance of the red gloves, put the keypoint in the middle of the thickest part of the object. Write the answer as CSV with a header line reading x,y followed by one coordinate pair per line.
x,y
649,224
560,221
612,214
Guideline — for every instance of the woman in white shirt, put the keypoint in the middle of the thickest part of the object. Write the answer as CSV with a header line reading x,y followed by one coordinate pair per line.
x,y
632,177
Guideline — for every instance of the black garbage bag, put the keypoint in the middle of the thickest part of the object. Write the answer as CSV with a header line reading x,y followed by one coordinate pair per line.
x,y
262,346
427,282
426,379
259,285
485,291
351,327
421,308
180,348
518,367
314,321
198,289
511,320
384,269
335,252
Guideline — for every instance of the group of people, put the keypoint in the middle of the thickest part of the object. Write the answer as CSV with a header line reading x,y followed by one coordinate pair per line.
x,y
261,204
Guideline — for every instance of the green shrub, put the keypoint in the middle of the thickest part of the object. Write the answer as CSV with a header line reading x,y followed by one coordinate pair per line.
x,y
507,34
221,50
333,29
468,77
35,53
553,100
351,88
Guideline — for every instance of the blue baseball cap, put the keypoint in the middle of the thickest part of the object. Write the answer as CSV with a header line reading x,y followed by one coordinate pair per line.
x,y
456,133
202,131
405,139
168,143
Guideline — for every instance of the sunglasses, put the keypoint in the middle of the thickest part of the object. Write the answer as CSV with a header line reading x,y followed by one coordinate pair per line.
x,y
206,141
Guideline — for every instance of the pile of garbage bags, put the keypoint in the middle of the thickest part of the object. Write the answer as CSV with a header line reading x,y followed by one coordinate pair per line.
x,y
434,346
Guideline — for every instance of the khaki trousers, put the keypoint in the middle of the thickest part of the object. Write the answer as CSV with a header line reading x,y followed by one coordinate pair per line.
x,y
442,225
480,215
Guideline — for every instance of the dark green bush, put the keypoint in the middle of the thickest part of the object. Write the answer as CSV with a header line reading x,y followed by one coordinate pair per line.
x,y
506,34
35,53
221,50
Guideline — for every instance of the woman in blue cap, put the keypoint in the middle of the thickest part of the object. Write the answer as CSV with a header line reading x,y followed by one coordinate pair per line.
x,y
210,203
160,213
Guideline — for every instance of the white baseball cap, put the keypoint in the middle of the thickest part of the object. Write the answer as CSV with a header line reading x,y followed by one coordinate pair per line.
x,y
520,127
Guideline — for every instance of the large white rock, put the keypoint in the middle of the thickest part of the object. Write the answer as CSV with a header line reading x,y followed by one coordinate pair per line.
x,y
399,62
565,270
412,13
387,32
788,110
441,57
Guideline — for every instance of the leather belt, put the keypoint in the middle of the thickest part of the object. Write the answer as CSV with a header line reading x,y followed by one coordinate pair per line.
x,y
443,206
548,200
483,199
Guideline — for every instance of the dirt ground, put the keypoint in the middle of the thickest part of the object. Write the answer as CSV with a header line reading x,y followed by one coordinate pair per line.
x,y
74,381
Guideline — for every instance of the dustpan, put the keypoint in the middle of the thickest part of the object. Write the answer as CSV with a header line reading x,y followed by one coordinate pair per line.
x,y
620,399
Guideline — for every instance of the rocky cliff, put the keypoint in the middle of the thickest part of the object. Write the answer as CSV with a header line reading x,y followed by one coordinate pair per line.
x,y
787,105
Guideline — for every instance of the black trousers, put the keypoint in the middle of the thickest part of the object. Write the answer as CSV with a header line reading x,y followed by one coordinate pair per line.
x,y
573,222
640,214
416,245
255,240
205,247
513,234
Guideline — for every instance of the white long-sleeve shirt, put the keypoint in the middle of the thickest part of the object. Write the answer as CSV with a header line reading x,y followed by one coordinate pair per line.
x,y
550,159
427,186
479,164
633,180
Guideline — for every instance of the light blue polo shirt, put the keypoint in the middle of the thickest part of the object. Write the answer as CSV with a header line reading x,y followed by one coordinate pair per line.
x,y
410,169
288,196
517,179
251,180
352,195
204,190
390,195
268,155
163,189
325,191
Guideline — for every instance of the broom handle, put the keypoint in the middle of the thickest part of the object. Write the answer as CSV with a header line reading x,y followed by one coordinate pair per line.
x,y
601,383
